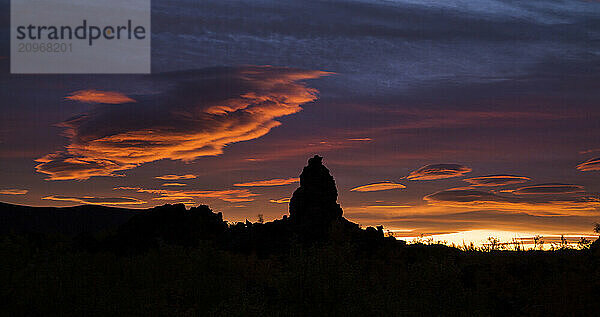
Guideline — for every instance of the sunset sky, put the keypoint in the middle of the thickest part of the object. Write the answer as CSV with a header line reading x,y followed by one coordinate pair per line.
x,y
434,117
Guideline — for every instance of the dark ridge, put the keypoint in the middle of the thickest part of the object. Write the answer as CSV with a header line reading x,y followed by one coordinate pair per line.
x,y
66,220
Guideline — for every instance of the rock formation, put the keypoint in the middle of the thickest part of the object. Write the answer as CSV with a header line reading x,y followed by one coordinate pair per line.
x,y
315,217
315,201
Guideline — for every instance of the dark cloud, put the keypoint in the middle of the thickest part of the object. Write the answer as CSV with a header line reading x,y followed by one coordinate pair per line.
x,y
549,189
363,39
438,171
467,196
200,113
549,205
590,165
496,180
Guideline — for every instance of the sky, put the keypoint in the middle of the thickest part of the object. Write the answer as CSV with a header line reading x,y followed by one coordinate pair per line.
x,y
445,118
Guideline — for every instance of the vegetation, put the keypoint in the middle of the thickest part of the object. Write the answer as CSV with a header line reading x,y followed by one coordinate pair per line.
x,y
52,275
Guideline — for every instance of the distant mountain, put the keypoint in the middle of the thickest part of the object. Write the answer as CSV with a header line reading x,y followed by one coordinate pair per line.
x,y
65,220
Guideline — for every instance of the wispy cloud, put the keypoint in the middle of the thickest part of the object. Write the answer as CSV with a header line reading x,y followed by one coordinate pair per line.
x,y
13,191
172,177
589,151
387,185
280,201
97,96
269,182
496,180
361,139
377,210
65,166
174,184
590,165
199,114
230,195
438,171
96,200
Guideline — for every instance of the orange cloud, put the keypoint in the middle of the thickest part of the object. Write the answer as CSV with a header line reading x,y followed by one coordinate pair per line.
x,y
199,115
589,151
231,195
590,165
387,185
269,182
172,177
97,200
549,189
13,191
280,201
97,96
361,139
64,166
496,180
379,208
126,188
438,171
174,184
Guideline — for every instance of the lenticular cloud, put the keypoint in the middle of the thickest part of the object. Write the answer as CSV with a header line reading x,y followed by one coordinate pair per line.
x,y
438,171
198,114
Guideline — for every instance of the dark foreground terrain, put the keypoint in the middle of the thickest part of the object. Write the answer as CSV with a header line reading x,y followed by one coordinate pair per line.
x,y
173,261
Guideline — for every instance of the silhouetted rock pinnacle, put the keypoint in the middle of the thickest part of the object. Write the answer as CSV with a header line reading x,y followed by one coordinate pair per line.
x,y
315,201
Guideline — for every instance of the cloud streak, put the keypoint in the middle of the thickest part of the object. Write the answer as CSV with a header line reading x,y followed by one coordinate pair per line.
x,y
590,165
280,201
496,180
199,114
172,177
378,187
97,96
438,171
269,182
96,200
230,195
13,191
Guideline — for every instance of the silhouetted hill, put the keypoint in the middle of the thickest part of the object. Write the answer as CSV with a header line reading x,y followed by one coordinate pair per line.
x,y
66,220
169,224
